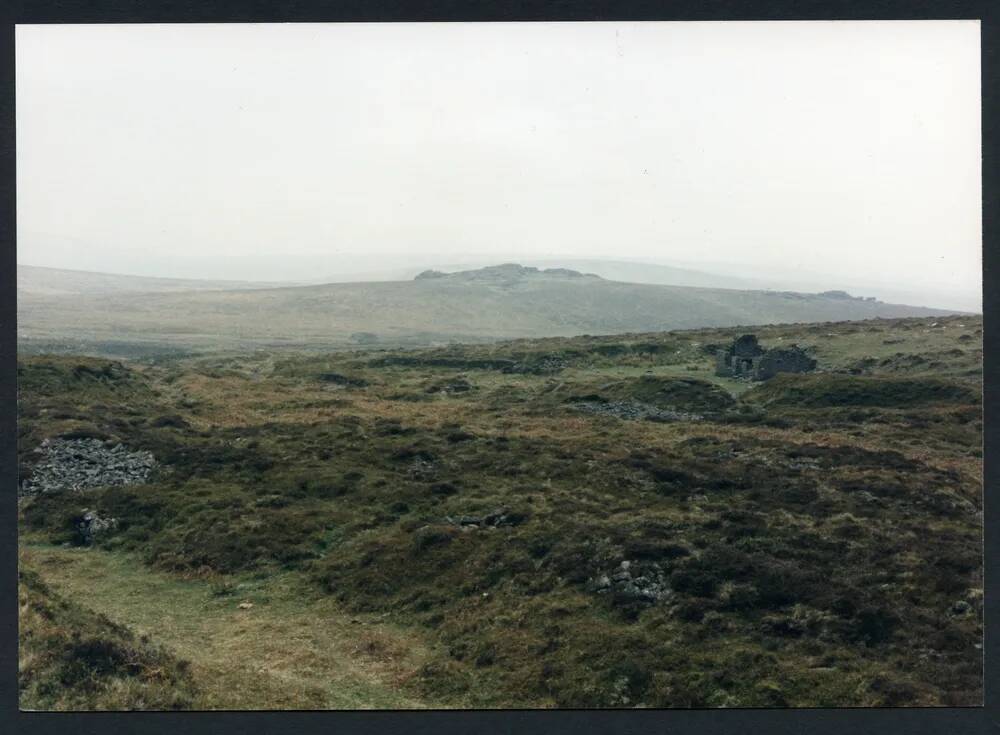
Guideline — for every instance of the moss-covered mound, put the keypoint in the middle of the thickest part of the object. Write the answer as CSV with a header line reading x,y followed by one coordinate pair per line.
x,y
678,394
49,375
823,391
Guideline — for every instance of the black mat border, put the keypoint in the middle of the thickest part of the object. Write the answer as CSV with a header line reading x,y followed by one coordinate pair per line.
x,y
957,721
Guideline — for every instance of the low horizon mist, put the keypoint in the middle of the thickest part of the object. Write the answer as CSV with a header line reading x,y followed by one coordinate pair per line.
x,y
283,271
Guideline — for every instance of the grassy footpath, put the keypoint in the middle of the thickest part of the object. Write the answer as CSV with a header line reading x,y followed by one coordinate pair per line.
x,y
71,658
290,650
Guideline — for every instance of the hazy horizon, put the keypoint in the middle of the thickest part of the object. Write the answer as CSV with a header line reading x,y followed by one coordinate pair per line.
x,y
801,156
736,276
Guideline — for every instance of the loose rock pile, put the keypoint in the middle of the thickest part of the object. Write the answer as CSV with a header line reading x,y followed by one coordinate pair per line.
x,y
421,469
635,582
495,519
91,525
80,464
635,410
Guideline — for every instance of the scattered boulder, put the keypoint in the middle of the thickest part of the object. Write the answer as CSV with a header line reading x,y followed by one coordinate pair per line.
x,y
493,519
633,582
90,525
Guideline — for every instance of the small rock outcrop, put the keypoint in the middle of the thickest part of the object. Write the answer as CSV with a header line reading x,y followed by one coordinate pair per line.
x,y
81,464
494,519
90,526
634,582
506,273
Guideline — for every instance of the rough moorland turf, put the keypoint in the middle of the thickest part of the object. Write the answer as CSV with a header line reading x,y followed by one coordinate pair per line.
x,y
72,659
815,541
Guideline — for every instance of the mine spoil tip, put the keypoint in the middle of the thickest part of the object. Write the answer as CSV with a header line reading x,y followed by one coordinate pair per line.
x,y
82,464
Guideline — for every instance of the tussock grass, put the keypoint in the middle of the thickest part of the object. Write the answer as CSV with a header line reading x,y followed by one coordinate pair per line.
x,y
825,391
292,649
73,659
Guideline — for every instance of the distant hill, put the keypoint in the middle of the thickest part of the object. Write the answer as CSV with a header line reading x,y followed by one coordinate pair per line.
x,y
508,274
37,280
654,273
485,304
612,270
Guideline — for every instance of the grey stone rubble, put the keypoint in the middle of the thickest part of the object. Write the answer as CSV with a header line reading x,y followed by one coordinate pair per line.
x,y
81,464
635,410
499,517
421,469
92,525
633,581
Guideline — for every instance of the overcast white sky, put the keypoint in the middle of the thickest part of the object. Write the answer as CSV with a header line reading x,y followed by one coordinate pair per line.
x,y
848,150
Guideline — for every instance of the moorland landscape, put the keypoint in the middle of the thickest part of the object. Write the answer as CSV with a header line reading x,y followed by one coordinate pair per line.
x,y
75,312
306,497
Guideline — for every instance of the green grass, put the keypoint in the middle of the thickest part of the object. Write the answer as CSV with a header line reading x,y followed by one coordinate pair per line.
x,y
292,649
71,658
819,536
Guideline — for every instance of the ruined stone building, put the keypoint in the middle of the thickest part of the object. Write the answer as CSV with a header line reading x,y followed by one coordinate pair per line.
x,y
745,358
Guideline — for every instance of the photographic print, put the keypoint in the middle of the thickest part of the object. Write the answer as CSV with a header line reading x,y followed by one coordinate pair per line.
x,y
579,365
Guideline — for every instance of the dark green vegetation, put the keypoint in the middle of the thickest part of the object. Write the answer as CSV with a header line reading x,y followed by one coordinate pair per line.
x,y
69,313
845,390
811,541
72,659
